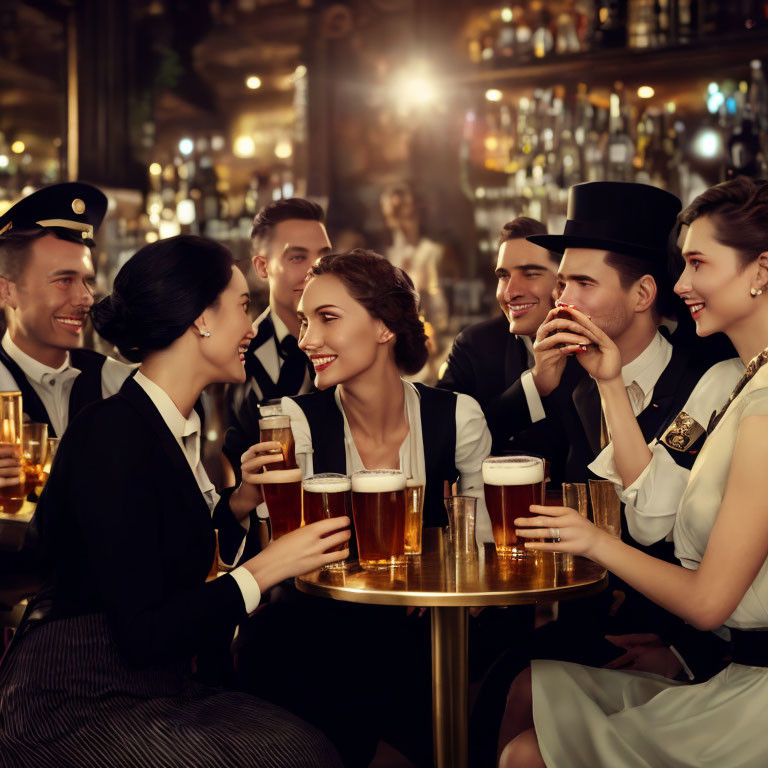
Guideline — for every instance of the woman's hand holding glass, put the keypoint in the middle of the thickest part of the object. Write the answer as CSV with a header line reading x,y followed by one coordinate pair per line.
x,y
249,494
577,536
301,551
11,467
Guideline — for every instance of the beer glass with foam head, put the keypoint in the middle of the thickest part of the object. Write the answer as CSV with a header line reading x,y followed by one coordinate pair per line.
x,y
414,515
327,495
278,428
282,495
512,484
11,496
378,507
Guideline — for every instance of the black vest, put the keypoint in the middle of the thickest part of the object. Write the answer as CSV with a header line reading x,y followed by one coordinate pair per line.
x,y
438,434
85,389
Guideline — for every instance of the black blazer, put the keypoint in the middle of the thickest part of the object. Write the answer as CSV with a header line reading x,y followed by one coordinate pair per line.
x,y
486,362
124,530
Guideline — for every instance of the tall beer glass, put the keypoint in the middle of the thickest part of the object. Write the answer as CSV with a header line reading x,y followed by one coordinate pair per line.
x,y
11,496
512,484
282,494
327,495
35,444
414,515
279,428
378,506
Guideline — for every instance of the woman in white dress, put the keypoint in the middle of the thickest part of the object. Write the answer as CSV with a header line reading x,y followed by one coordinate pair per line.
x,y
562,714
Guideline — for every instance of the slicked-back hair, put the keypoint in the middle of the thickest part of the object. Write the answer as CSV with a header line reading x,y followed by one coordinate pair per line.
x,y
282,210
15,249
522,227
387,293
739,211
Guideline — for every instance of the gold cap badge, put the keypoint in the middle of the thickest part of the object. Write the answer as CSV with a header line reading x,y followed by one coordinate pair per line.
x,y
78,206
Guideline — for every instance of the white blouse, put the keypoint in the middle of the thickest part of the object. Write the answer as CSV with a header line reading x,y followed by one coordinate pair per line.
x,y
473,444
651,502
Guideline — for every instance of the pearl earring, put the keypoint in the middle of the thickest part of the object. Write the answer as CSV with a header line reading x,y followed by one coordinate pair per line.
x,y
206,334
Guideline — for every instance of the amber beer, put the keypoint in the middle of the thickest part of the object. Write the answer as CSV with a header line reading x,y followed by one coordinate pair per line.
x,y
278,428
512,484
327,495
11,496
282,494
378,506
414,515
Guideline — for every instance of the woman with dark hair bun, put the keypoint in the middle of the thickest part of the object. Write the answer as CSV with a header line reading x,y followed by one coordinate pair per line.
x,y
360,328
101,670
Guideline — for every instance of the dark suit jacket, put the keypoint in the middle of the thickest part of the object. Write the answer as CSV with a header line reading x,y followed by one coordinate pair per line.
x,y
486,362
125,531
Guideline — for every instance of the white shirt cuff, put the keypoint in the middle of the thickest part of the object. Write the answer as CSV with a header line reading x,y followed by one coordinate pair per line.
x,y
249,588
532,397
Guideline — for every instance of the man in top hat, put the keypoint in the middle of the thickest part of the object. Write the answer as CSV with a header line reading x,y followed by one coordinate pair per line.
x,y
614,273
46,287
288,236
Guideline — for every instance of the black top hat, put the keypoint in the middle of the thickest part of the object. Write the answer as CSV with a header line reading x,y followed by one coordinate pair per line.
x,y
73,208
627,218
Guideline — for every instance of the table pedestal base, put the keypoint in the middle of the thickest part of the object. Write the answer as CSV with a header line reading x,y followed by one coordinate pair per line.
x,y
450,686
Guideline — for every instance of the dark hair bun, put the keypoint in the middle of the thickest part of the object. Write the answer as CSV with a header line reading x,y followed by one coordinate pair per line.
x,y
160,291
388,294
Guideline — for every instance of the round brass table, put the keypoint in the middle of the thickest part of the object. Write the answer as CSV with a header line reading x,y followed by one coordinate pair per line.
x,y
450,584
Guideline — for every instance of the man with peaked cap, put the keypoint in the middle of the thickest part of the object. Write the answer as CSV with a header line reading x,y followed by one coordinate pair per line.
x,y
288,236
46,287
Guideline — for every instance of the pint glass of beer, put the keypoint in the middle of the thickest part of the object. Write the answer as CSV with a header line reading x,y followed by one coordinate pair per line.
x,y
35,451
282,494
279,428
414,515
327,495
11,496
378,507
512,484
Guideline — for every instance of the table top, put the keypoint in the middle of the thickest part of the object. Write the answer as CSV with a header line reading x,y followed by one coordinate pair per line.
x,y
439,577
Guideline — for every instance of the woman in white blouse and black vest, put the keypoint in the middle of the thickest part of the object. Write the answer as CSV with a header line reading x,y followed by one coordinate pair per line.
x,y
101,671
360,328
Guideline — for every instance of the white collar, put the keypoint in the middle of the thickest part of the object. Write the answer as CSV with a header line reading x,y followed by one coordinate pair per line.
x,y
648,366
33,369
527,342
281,329
180,427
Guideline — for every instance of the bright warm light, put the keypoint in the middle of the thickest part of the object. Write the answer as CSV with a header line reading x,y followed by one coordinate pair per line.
x,y
217,143
169,229
186,146
299,72
155,169
185,211
506,15
18,147
151,237
645,92
671,107
4,161
283,150
244,146
493,94
253,82
415,89
708,143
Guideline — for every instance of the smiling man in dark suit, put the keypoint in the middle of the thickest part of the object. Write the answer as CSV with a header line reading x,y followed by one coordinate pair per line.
x,y
488,359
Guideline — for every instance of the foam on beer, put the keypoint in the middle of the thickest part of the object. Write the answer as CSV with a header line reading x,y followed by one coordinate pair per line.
x,y
326,484
280,476
513,470
378,481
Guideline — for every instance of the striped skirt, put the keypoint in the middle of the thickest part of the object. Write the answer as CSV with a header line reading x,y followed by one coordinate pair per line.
x,y
66,700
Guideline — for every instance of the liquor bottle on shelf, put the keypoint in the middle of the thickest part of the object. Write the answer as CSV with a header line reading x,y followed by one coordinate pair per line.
x,y
620,146
611,23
